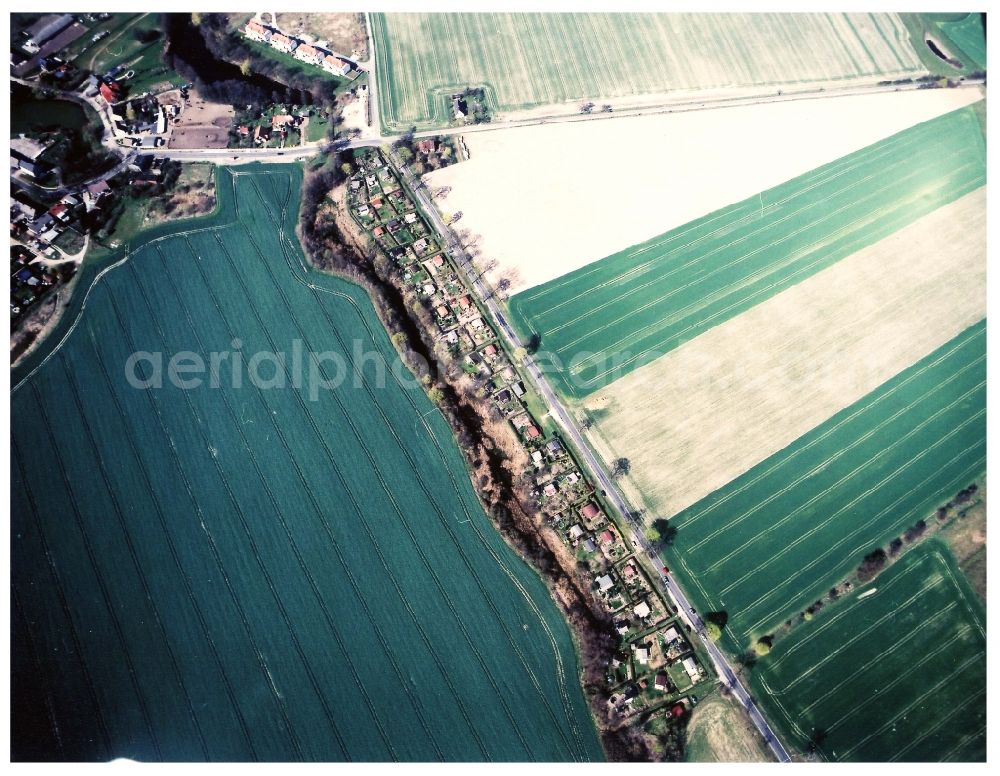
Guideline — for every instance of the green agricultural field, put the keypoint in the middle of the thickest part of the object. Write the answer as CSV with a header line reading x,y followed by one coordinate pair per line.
x,y
969,35
894,672
241,572
528,60
963,35
610,317
780,536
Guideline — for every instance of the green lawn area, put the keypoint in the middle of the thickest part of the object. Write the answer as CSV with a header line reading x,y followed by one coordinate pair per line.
x,y
777,538
894,672
608,318
528,60
125,48
254,572
317,129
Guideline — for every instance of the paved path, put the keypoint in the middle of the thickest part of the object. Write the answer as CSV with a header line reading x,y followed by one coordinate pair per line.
x,y
236,156
596,468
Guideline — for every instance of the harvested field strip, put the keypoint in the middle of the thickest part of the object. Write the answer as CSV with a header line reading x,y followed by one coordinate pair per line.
x,y
930,702
660,182
309,579
530,60
778,370
605,320
776,538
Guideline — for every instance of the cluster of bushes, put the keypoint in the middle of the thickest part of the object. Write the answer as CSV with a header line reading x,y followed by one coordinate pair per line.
x,y
872,564
206,54
246,77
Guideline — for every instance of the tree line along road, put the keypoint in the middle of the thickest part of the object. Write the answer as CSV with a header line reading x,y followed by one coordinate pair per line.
x,y
595,467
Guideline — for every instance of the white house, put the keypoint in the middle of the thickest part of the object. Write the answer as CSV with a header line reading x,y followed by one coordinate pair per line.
x,y
604,583
642,610
692,668
309,54
283,43
336,65
257,31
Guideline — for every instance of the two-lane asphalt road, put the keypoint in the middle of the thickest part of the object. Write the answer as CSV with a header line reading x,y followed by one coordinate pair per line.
x,y
596,468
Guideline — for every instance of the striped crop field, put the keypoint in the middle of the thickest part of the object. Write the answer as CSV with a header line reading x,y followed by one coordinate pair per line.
x,y
530,60
248,571
895,672
606,319
775,539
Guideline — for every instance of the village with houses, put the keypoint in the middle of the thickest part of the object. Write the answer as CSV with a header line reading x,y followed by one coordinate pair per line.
x,y
98,117
657,666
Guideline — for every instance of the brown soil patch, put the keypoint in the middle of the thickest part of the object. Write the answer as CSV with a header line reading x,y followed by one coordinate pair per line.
x,y
201,124
199,137
199,112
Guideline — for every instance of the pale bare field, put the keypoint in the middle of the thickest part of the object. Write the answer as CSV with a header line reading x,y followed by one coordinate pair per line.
x,y
344,32
546,200
698,417
720,732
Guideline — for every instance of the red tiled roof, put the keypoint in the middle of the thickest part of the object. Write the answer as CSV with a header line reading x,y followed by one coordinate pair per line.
x,y
332,61
110,92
